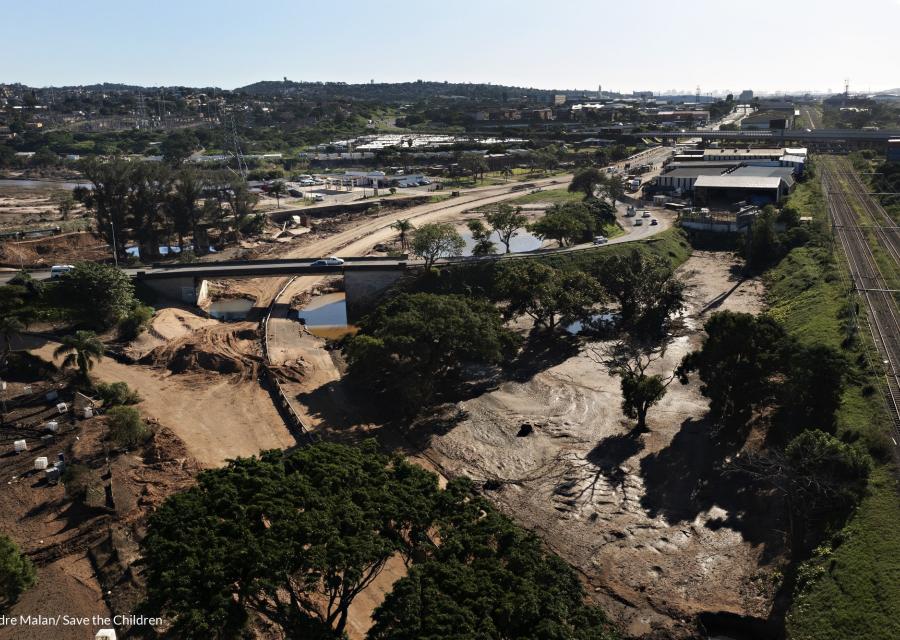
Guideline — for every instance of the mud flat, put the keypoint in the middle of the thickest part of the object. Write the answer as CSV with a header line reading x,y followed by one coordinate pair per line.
x,y
646,517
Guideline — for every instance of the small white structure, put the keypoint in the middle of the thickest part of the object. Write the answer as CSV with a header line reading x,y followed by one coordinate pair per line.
x,y
40,463
106,634
88,412
20,446
62,407
53,426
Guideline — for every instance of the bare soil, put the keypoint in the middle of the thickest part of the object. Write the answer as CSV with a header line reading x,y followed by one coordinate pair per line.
x,y
65,248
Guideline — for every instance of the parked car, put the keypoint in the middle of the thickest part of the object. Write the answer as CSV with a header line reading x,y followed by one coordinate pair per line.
x,y
331,261
295,193
638,222
600,240
319,197
645,214
654,222
59,270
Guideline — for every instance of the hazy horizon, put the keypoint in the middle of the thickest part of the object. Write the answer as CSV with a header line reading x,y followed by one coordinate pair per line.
x,y
644,46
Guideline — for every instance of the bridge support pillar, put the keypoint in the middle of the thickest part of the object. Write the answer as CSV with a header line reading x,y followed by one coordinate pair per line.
x,y
364,287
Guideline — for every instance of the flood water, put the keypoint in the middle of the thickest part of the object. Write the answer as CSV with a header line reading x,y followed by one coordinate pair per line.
x,y
598,320
524,241
326,316
230,309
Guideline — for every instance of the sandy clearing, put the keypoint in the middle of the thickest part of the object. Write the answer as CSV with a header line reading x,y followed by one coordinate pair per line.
x,y
217,416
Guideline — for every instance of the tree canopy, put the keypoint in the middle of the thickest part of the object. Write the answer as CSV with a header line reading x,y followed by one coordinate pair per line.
x,y
506,222
412,341
738,362
567,223
550,296
437,240
99,294
294,537
646,288
487,579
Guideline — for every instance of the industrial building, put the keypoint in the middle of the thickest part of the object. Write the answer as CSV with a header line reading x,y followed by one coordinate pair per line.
x,y
723,191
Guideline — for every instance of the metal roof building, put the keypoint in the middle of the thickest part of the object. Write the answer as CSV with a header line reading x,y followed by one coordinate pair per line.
x,y
725,190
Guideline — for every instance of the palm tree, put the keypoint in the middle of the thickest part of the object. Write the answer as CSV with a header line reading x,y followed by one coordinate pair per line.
x,y
82,350
403,227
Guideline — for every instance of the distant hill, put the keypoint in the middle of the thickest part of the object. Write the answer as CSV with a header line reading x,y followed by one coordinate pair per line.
x,y
395,91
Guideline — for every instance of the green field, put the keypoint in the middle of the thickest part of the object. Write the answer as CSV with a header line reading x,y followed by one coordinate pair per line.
x,y
852,584
549,196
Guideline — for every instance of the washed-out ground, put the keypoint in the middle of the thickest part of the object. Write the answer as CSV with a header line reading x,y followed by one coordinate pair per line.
x,y
646,517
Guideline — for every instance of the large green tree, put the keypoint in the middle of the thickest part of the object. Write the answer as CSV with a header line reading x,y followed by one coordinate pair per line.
x,y
16,572
484,246
291,537
630,361
506,222
552,297
646,288
488,579
99,294
437,240
738,363
108,198
587,181
413,342
566,224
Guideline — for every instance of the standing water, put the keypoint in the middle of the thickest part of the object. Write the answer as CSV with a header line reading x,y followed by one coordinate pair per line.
x,y
230,309
326,316
524,241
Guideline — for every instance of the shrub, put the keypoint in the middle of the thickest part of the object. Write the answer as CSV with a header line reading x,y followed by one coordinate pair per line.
x,y
131,326
126,427
16,572
117,393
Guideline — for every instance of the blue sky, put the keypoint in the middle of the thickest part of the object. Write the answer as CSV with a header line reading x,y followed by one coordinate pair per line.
x,y
766,45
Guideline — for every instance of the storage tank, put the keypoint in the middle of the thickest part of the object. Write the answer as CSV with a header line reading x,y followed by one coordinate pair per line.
x,y
40,463
53,426
20,446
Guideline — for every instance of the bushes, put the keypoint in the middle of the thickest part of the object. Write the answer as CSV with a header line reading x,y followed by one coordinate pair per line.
x,y
16,572
131,326
126,427
117,393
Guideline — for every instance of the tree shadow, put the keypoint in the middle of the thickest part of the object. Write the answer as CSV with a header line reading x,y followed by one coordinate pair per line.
x,y
539,353
688,478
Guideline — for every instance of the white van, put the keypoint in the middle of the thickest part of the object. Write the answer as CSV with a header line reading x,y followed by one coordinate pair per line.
x,y
59,270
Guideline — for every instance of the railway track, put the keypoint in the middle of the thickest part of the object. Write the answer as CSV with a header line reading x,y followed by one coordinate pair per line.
x,y
867,278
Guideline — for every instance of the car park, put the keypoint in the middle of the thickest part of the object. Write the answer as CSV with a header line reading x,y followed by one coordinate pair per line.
x,y
331,261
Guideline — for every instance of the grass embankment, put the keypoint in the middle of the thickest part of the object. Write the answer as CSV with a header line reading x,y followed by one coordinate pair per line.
x,y
852,584
671,245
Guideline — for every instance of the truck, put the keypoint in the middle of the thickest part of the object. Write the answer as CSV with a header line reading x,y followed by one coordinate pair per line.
x,y
634,184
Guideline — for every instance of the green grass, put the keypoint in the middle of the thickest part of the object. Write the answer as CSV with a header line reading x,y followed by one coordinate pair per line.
x,y
857,590
671,245
549,196
852,583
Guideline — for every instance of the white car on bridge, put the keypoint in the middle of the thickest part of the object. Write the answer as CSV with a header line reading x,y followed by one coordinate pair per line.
x,y
331,261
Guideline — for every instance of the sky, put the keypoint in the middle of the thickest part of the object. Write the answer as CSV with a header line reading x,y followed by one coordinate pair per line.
x,y
652,45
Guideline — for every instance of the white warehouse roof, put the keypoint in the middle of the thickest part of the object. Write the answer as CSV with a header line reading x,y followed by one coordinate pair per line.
x,y
738,182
